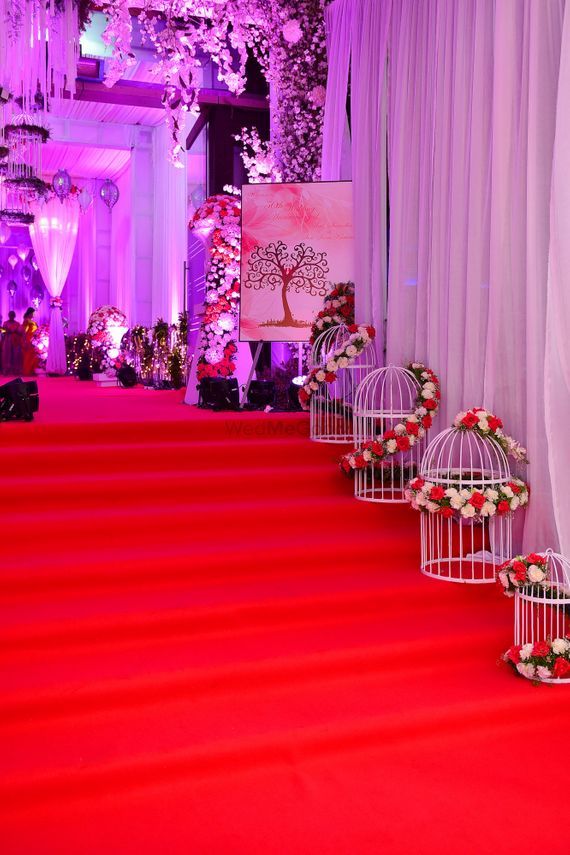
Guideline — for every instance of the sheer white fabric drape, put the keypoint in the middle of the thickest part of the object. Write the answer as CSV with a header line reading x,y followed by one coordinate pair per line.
x,y
54,235
557,364
472,113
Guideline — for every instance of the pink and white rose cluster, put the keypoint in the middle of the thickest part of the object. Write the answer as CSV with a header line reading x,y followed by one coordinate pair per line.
x,y
547,660
106,327
490,426
523,571
471,503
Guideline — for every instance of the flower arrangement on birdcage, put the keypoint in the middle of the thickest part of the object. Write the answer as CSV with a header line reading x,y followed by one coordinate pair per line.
x,y
338,309
106,328
403,435
40,341
541,661
343,356
466,494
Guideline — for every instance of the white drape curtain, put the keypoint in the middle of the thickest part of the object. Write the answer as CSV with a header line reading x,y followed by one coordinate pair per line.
x,y
336,136
54,235
472,115
557,364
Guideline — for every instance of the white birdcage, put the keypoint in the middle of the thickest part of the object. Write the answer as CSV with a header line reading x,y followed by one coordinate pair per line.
x,y
460,548
542,611
331,406
385,398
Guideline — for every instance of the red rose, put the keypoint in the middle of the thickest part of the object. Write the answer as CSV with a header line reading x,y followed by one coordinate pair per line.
x,y
514,487
303,395
513,654
417,484
430,404
330,377
446,512
427,421
533,558
359,462
477,500
334,293
345,311
352,328
437,394
494,422
403,443
561,667
469,420
503,507
541,648
345,464
377,448
389,434
519,570
371,331
436,493
413,428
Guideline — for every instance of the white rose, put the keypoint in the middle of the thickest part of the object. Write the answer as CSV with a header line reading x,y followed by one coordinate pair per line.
x,y
468,511
331,365
424,375
430,385
421,433
351,350
492,495
320,376
314,386
527,670
535,574
428,487
400,429
488,509
465,494
432,507
523,498
342,362
427,393
367,455
391,446
503,579
327,319
543,672
450,492
420,499
515,502
526,650
412,418
483,425
421,411
457,502
560,646
458,419
319,324
507,491
411,439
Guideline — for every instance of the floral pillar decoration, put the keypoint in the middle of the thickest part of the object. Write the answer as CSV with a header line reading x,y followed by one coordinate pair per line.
x,y
218,221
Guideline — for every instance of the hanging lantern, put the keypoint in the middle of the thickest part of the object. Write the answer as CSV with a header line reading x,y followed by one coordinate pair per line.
x,y
12,287
37,296
5,232
23,251
109,193
12,260
85,199
61,184
34,263
27,274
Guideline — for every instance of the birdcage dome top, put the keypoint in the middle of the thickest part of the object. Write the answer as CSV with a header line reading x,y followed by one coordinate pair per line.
x,y
334,339
464,458
392,390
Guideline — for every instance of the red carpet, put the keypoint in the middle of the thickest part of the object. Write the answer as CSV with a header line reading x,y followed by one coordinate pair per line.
x,y
208,646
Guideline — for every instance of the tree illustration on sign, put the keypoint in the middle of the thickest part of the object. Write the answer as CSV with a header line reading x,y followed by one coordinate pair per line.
x,y
303,269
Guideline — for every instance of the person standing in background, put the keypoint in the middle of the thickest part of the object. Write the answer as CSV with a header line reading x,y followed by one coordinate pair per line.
x,y
12,346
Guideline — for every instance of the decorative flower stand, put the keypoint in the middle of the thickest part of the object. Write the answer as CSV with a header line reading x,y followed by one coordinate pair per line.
x,y
331,406
542,625
464,545
385,399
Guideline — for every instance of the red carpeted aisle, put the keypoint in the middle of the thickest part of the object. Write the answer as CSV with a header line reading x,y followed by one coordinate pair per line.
x,y
208,646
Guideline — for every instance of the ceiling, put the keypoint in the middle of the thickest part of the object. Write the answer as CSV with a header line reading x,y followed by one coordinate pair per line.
x,y
86,162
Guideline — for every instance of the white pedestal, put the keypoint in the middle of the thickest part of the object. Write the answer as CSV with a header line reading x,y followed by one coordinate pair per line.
x,y
105,380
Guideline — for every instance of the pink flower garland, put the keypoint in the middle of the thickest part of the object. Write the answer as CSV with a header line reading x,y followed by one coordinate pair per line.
x,y
359,338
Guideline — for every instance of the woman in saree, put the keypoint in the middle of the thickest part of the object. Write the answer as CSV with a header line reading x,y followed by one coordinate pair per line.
x,y
29,353
12,346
